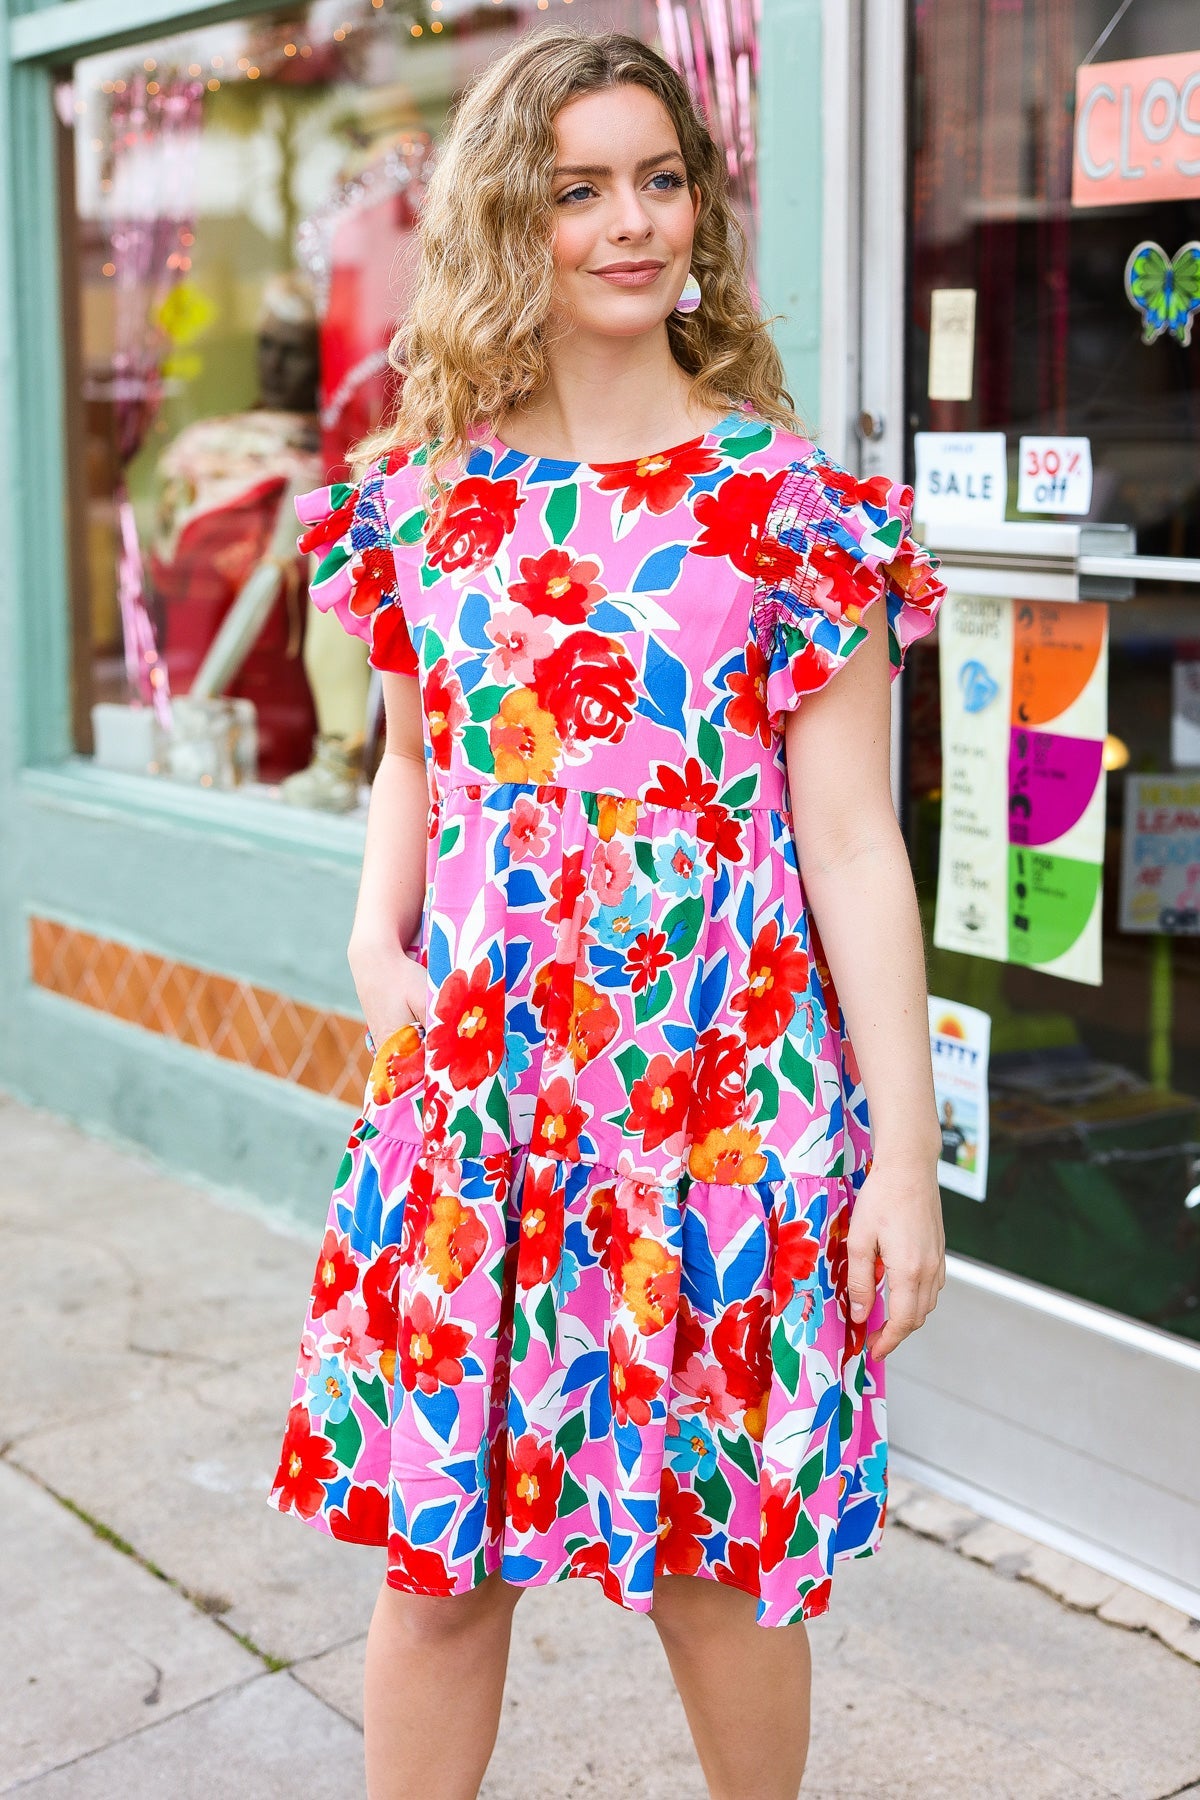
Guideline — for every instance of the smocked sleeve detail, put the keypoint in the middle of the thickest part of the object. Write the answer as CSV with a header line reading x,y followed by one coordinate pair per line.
x,y
356,576
835,544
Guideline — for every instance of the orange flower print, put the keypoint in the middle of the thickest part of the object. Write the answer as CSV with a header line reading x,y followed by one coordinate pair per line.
x,y
594,1023
729,1157
650,1284
778,973
455,1239
524,738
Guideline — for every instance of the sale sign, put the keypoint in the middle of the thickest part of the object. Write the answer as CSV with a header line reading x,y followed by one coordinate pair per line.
x,y
1024,715
1055,475
1137,131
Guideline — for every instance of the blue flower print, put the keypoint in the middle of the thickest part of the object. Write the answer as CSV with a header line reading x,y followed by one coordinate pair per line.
x,y
679,865
329,1392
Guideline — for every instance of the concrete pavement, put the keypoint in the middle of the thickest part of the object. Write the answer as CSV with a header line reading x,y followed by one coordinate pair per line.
x,y
164,1632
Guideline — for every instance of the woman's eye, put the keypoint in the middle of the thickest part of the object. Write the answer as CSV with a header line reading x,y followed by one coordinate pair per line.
x,y
571,193
671,177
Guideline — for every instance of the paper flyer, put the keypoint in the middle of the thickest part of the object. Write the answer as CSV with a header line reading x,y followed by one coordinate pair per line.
x,y
959,1038
1024,715
1160,855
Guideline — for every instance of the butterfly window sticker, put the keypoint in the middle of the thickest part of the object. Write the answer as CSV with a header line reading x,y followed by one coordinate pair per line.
x,y
1164,289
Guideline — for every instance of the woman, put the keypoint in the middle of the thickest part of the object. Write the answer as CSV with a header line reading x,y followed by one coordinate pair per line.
x,y
599,1290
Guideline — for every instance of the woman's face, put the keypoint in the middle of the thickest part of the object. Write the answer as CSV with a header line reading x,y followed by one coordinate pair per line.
x,y
625,215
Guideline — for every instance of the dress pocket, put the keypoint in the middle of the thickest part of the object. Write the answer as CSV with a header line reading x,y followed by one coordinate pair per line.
x,y
395,1086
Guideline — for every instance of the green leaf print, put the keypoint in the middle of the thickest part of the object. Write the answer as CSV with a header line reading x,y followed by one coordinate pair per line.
x,y
643,851
477,748
562,510
467,1120
570,1439
739,1450
785,1358
547,1319
845,1418
571,1498
432,646
483,702
810,1473
717,1496
742,791
764,1084
409,530
330,564
346,1438
711,748
520,1347
344,1168
745,446
450,837
805,1537
339,493
682,924
797,1071
375,1395
497,1106
632,1062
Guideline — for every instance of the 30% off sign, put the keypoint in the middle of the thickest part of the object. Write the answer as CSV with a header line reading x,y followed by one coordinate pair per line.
x,y
1055,475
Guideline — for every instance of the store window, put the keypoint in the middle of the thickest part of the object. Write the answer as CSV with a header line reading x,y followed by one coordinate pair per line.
x,y
1063,209
244,198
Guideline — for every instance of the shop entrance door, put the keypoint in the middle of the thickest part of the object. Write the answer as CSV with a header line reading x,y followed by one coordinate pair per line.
x,y
1043,312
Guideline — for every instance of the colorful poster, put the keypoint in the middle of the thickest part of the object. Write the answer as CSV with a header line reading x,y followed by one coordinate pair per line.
x,y
1160,855
1024,716
958,1043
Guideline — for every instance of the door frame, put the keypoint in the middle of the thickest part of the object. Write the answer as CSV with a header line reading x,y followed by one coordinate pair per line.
x,y
1049,1414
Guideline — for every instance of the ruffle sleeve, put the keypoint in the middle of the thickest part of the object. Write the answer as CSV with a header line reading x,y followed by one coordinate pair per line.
x,y
356,576
833,545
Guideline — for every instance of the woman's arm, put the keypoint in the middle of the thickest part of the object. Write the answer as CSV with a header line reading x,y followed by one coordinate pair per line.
x,y
859,887
391,984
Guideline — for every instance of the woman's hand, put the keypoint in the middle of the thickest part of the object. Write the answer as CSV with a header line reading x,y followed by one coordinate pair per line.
x,y
393,988
897,1217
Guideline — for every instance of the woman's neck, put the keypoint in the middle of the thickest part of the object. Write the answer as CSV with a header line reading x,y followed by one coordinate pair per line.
x,y
608,402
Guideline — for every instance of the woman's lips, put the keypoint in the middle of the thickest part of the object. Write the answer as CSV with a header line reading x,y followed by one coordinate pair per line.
x,y
631,278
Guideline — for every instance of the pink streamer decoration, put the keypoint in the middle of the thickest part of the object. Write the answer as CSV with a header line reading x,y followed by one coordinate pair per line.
x,y
714,46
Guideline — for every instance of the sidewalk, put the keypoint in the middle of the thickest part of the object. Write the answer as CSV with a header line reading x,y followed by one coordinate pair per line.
x,y
164,1632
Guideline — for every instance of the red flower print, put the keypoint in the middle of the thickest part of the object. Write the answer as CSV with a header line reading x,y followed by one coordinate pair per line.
x,y
364,1518
329,529
523,738
455,1239
417,1571
431,1347
598,1221
519,639
780,1511
681,1525
646,958
391,646
689,1335
740,1568
592,1559
841,587
588,685
734,523
722,833
468,1040
379,1297
445,709
718,1081
497,1483
688,791
528,829
778,973
542,1222
557,1121
632,1383
707,1390
535,1479
747,711
479,514
657,482
659,1099
566,890
374,577
558,585
742,1345
816,1601
839,1270
337,1274
304,1465
795,1250
851,491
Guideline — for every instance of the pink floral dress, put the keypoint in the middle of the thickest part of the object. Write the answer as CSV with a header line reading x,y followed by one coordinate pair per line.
x,y
580,1306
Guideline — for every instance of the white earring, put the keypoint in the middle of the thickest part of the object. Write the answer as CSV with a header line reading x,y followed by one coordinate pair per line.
x,y
689,299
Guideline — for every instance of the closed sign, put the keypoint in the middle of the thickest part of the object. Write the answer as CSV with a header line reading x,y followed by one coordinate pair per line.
x,y
1137,131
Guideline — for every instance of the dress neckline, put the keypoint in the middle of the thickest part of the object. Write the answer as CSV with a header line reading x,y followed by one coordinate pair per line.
x,y
732,419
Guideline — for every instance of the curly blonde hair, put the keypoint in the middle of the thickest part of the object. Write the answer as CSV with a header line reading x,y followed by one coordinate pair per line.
x,y
474,341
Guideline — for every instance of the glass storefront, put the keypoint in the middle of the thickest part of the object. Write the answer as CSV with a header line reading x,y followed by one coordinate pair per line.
x,y
1084,304
243,199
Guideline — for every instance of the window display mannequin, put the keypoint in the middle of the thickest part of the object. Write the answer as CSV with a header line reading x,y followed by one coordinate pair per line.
x,y
224,482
